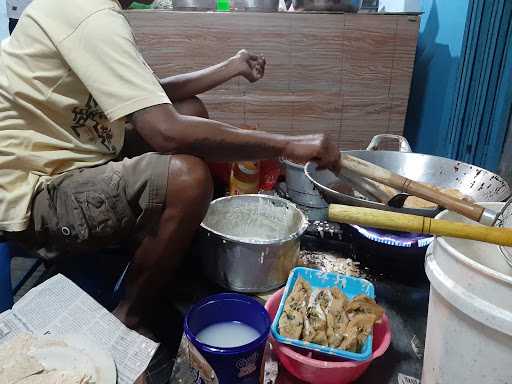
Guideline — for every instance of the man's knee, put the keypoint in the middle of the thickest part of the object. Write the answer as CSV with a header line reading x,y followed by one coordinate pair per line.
x,y
190,181
192,107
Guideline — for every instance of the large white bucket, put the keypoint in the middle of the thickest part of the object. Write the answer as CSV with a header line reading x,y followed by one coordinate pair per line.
x,y
469,328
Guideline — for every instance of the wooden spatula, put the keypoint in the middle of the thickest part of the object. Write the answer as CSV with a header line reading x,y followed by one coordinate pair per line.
x,y
393,221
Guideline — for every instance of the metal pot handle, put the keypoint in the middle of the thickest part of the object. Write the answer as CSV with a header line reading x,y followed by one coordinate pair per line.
x,y
403,144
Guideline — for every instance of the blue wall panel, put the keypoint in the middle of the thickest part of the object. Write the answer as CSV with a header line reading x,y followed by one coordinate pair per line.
x,y
435,74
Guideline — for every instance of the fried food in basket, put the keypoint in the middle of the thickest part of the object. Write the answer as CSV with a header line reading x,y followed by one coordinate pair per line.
x,y
291,322
327,317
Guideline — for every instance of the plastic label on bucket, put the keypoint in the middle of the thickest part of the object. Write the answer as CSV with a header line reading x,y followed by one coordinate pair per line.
x,y
404,379
247,366
201,372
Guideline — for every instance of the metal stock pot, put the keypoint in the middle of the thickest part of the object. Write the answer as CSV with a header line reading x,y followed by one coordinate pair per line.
x,y
250,243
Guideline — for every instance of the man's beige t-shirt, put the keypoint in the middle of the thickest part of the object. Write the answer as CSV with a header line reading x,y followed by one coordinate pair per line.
x,y
69,75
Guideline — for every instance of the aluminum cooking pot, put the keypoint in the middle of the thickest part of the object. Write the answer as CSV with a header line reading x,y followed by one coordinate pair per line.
x,y
194,5
299,189
250,243
255,5
474,182
328,5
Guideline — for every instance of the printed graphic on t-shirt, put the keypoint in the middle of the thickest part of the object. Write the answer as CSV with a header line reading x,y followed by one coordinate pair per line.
x,y
91,125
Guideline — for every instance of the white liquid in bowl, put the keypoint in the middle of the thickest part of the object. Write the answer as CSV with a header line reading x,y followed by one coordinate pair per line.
x,y
228,334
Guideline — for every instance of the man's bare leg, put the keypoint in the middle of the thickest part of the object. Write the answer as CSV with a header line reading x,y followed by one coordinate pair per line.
x,y
189,192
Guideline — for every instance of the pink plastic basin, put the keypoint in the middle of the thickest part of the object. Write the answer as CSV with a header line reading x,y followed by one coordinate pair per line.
x,y
326,370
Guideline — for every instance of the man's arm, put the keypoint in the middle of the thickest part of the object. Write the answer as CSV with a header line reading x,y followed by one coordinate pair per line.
x,y
184,86
167,131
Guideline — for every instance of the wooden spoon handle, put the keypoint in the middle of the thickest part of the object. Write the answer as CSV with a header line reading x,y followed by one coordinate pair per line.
x,y
418,224
403,184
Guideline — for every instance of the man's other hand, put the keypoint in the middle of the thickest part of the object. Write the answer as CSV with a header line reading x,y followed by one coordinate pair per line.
x,y
252,67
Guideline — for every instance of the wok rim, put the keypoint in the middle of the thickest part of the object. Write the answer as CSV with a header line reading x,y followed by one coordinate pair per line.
x,y
312,166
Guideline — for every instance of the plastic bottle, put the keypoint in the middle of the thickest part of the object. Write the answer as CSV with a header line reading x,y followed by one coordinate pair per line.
x,y
245,175
245,178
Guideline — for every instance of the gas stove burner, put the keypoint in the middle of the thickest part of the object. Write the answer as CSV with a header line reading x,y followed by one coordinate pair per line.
x,y
397,239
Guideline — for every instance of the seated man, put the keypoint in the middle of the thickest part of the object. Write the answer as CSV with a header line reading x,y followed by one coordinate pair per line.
x,y
96,150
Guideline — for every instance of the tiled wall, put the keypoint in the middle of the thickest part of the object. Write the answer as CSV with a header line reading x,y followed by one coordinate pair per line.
x,y
345,74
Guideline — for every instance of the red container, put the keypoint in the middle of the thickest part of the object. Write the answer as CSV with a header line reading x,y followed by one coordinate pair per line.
x,y
269,174
322,369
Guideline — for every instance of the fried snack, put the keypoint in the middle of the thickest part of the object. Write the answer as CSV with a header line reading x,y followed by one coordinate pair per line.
x,y
323,298
298,299
363,304
337,319
417,202
291,323
357,331
339,296
315,325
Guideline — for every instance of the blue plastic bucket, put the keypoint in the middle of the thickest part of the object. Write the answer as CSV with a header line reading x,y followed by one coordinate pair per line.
x,y
240,365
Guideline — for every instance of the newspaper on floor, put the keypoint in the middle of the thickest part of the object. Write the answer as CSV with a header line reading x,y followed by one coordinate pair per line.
x,y
58,306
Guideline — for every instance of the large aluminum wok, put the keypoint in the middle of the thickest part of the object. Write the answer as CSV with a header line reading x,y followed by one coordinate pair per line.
x,y
474,182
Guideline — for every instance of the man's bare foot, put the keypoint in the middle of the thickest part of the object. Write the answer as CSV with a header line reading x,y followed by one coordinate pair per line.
x,y
126,316
133,322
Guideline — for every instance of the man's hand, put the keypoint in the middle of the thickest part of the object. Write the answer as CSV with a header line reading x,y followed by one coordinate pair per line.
x,y
319,148
252,67
185,86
